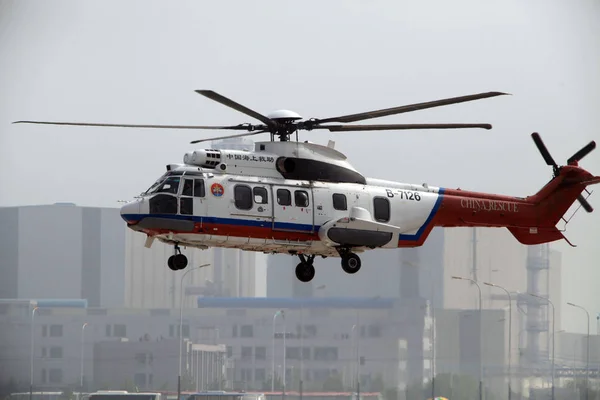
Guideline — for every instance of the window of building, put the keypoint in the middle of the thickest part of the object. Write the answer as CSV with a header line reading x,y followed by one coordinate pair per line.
x,y
292,353
246,352
374,331
120,330
45,330
229,351
326,353
242,195
260,353
234,331
260,375
284,197
44,376
108,330
382,209
185,331
260,195
339,201
247,331
199,190
56,352
44,354
55,375
139,379
56,330
301,198
306,353
311,330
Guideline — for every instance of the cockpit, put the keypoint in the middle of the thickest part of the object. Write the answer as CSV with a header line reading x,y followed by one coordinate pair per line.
x,y
173,193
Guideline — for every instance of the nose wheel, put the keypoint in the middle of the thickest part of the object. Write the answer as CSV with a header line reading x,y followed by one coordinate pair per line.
x,y
305,271
177,261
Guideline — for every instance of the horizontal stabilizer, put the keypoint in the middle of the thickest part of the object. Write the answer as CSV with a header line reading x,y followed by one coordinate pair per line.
x,y
531,236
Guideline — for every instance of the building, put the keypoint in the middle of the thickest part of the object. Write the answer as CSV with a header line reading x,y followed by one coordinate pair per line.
x,y
81,248
365,338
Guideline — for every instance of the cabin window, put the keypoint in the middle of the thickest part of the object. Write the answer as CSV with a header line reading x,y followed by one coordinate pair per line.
x,y
199,188
188,187
382,209
339,201
284,197
243,197
301,198
260,195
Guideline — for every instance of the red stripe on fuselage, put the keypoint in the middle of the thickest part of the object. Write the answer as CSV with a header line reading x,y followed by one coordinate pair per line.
x,y
252,232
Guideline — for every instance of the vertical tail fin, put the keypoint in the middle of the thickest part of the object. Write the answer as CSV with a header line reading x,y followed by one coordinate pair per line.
x,y
556,197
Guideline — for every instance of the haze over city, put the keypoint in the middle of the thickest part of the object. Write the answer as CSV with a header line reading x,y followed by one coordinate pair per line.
x,y
140,62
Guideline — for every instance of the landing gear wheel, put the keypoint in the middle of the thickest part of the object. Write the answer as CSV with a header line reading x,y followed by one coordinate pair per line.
x,y
177,261
305,272
170,263
180,261
350,263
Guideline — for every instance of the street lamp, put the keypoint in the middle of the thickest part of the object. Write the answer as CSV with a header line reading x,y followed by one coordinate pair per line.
x,y
587,367
553,332
278,312
480,335
509,336
31,361
181,325
81,371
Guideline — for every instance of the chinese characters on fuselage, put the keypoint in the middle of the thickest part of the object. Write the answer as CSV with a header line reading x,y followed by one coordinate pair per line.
x,y
249,157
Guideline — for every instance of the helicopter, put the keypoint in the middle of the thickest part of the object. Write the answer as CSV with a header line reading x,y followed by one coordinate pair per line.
x,y
307,200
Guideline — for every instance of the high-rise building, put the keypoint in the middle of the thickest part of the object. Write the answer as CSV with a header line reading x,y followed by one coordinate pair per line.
x,y
62,251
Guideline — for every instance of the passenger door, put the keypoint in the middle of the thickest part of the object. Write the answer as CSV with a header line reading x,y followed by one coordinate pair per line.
x,y
251,201
293,209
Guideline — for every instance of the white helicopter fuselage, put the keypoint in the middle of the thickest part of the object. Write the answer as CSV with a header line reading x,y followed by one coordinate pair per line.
x,y
234,207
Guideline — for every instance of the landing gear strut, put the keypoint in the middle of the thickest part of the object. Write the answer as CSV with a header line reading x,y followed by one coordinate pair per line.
x,y
305,271
177,261
350,261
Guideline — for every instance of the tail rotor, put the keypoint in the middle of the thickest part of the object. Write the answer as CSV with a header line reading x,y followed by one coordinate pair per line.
x,y
573,160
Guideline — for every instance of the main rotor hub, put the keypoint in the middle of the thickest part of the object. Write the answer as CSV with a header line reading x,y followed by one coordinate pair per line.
x,y
284,115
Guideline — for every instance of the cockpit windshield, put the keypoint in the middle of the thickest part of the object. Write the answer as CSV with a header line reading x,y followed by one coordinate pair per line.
x,y
166,184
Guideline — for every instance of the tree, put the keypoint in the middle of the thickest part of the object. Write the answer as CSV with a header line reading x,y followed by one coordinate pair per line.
x,y
278,386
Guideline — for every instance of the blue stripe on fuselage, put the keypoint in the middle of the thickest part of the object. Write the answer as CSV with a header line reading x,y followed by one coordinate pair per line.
x,y
434,210
225,221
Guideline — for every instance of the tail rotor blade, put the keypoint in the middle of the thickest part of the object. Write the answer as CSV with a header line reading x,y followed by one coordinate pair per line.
x,y
584,203
585,150
542,148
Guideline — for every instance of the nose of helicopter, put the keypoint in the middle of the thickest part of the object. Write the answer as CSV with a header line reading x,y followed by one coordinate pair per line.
x,y
130,212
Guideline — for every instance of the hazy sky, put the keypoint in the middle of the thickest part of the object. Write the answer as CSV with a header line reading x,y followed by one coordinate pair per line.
x,y
140,62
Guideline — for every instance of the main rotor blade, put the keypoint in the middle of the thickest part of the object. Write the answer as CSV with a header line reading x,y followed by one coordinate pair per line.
x,y
227,137
584,151
584,203
386,127
542,148
241,127
236,106
408,108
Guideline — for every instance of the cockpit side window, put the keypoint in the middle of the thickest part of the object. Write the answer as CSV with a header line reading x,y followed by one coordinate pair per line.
x,y
188,187
301,198
199,190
